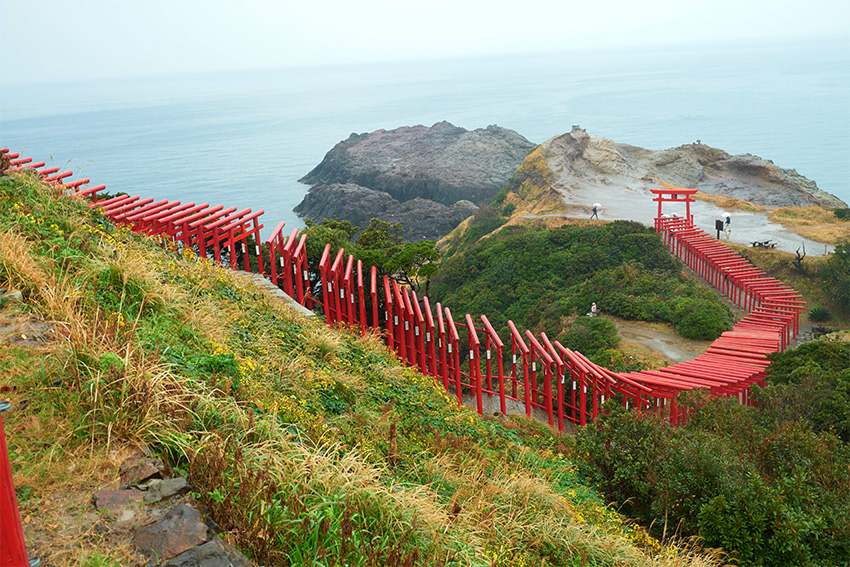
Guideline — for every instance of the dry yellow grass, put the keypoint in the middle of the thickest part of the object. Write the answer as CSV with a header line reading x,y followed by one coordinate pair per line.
x,y
804,217
728,202
828,234
815,223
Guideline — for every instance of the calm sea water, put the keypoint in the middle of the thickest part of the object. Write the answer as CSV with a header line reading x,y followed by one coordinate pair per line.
x,y
244,138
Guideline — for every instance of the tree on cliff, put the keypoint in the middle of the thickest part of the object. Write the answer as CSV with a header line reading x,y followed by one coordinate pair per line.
x,y
379,244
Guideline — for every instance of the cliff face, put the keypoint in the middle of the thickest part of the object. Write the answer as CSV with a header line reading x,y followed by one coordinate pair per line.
x,y
420,218
426,178
577,157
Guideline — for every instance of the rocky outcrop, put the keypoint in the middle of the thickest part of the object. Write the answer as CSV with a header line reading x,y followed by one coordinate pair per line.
x,y
426,178
421,218
577,158
163,523
443,163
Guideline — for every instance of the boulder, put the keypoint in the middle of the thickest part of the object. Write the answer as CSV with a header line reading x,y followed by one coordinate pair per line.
x,y
214,553
179,530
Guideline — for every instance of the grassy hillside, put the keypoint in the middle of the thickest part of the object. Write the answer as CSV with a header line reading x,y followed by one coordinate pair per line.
x,y
309,446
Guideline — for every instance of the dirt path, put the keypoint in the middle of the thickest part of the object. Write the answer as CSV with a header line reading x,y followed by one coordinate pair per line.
x,y
628,199
660,338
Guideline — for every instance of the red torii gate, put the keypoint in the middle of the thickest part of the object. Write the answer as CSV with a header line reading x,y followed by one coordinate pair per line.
x,y
671,193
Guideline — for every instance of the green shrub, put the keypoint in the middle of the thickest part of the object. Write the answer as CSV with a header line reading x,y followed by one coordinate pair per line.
x,y
819,314
835,277
702,320
768,492
590,335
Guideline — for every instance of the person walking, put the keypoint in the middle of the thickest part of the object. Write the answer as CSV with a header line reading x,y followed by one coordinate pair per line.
x,y
594,215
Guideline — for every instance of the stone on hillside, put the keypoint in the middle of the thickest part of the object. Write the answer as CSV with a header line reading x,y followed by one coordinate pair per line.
x,y
14,296
166,488
214,553
115,501
179,530
141,472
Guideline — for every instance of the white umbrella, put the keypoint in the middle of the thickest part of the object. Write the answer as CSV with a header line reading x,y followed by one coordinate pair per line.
x,y
725,214
597,206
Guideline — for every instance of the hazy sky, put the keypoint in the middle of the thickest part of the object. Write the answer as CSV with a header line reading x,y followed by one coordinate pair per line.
x,y
53,40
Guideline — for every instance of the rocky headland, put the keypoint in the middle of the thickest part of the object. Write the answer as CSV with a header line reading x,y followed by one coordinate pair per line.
x,y
567,174
577,158
427,178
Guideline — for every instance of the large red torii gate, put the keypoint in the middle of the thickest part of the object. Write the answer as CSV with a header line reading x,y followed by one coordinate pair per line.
x,y
673,194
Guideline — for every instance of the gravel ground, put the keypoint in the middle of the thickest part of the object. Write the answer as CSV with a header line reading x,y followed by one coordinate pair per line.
x,y
620,201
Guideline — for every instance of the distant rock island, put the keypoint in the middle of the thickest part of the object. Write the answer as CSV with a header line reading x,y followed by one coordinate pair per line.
x,y
427,178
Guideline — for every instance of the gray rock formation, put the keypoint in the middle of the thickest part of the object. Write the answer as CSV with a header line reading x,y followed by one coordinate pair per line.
x,y
421,218
412,170
214,553
178,531
579,158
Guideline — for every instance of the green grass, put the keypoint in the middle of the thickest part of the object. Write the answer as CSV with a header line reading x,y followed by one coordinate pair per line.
x,y
308,445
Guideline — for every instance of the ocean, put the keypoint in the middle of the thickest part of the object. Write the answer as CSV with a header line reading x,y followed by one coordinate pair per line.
x,y
244,138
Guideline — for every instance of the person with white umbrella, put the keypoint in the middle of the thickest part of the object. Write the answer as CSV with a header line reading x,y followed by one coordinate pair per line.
x,y
728,225
596,207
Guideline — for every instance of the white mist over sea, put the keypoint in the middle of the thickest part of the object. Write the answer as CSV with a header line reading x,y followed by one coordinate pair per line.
x,y
244,138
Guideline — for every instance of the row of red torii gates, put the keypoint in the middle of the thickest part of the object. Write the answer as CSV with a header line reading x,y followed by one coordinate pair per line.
x,y
541,376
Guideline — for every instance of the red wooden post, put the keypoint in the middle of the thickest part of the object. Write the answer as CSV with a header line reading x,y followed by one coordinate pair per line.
x,y
474,363
453,348
430,338
373,288
336,290
560,370
441,344
419,331
546,362
13,550
409,338
302,273
499,346
177,223
517,341
324,269
287,264
272,242
347,288
399,320
391,320
361,295
258,249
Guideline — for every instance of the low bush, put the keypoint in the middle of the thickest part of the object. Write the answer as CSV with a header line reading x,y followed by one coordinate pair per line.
x,y
819,314
782,501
